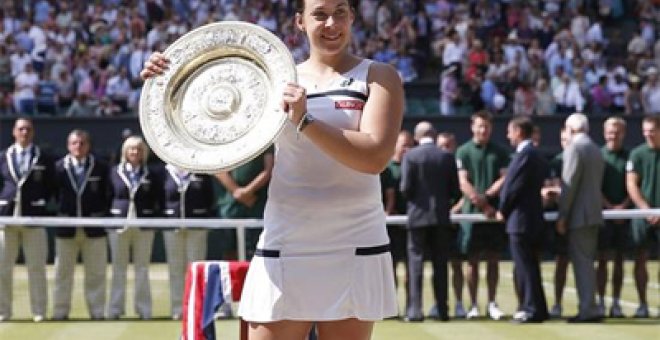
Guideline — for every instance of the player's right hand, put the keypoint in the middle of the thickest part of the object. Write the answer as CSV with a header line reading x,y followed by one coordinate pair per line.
x,y
155,66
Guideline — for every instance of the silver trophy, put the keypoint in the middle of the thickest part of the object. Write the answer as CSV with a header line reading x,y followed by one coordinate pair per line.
x,y
219,103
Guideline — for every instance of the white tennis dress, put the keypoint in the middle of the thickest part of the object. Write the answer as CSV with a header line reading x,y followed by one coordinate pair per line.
x,y
323,252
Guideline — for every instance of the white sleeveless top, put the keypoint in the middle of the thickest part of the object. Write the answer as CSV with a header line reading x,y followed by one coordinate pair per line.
x,y
316,204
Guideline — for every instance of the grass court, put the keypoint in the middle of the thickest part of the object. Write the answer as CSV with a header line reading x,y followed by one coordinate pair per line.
x,y
161,327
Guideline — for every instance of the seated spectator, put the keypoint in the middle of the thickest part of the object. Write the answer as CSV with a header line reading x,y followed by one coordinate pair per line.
x,y
46,96
488,91
579,27
651,92
601,98
545,102
83,106
592,54
645,62
524,100
449,91
513,49
633,96
535,51
66,88
477,58
405,65
6,80
617,86
593,73
268,20
497,67
25,86
453,52
119,88
595,33
568,96
18,60
23,39
107,108
581,80
637,45
385,53
6,107
64,16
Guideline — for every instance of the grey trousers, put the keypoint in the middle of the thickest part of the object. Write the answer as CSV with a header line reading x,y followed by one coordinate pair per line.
x,y
95,260
582,246
35,249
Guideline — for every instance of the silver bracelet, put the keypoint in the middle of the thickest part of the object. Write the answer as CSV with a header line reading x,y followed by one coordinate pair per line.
x,y
305,120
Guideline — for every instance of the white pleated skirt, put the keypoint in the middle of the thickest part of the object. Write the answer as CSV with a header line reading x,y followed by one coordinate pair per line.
x,y
319,287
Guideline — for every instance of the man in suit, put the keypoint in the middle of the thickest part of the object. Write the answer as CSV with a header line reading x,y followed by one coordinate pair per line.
x,y
447,141
522,207
580,214
82,191
429,181
26,175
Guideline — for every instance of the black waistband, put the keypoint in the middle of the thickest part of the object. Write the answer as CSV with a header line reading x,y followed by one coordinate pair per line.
x,y
267,253
384,248
362,251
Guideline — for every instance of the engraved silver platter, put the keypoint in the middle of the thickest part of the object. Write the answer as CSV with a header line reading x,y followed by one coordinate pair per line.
x,y
218,105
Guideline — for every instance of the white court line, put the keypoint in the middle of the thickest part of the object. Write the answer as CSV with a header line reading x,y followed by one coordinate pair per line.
x,y
608,299
652,285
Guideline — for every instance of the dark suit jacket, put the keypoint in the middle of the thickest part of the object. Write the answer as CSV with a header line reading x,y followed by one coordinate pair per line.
x,y
429,181
36,187
91,199
520,197
196,198
148,196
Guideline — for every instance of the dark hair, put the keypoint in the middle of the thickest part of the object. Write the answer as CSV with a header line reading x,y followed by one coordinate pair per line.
x,y
524,124
447,135
483,115
299,5
653,119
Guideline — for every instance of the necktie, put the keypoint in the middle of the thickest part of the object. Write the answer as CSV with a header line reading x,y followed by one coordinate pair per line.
x,y
135,178
184,177
79,171
23,162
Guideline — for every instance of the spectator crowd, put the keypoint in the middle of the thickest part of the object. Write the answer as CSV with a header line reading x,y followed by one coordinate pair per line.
x,y
80,58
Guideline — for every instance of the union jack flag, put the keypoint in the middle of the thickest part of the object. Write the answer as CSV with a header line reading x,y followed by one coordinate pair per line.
x,y
209,284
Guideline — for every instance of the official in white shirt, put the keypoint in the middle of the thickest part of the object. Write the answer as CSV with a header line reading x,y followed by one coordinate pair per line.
x,y
82,191
26,175
136,192
187,195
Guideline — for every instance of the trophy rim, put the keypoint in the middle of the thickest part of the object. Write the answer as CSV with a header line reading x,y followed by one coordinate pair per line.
x,y
173,77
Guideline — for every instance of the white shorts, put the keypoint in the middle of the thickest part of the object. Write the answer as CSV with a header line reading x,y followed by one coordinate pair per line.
x,y
353,283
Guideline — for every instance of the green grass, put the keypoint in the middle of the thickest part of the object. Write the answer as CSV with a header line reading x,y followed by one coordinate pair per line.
x,y
21,328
